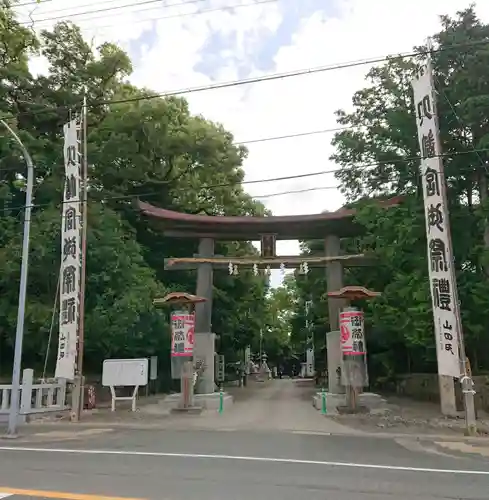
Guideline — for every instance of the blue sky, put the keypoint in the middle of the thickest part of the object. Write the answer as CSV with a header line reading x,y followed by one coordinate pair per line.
x,y
261,45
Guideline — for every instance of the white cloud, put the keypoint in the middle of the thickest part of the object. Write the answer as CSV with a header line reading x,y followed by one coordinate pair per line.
x,y
360,29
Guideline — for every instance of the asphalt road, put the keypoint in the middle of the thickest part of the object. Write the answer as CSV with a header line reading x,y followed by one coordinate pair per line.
x,y
206,465
273,446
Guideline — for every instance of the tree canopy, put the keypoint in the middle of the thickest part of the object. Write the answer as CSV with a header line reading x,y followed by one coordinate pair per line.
x,y
139,146
378,156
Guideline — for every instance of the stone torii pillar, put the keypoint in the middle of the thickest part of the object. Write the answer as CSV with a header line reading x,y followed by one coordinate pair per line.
x,y
334,281
204,349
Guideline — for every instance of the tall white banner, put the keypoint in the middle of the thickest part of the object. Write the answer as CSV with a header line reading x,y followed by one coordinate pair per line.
x,y
69,289
440,257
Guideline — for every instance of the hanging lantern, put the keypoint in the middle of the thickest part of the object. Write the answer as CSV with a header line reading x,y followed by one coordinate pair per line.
x,y
231,268
255,269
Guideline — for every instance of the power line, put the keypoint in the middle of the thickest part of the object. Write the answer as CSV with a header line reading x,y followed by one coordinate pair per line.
x,y
293,136
176,16
162,7
309,133
111,9
154,193
295,191
259,181
248,81
32,3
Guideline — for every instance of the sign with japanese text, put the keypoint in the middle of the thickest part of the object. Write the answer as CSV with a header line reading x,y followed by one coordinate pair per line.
x,y
440,258
310,362
70,271
182,329
352,333
220,368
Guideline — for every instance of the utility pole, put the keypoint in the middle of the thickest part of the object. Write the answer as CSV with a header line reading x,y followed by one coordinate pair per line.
x,y
451,356
79,385
19,331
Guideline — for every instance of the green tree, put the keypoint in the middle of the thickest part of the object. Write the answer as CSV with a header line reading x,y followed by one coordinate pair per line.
x,y
377,157
140,146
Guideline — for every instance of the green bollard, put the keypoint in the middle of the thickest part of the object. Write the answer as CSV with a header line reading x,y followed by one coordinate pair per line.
x,y
221,401
323,402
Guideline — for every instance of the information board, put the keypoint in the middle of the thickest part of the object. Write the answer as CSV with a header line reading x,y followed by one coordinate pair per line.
x,y
125,372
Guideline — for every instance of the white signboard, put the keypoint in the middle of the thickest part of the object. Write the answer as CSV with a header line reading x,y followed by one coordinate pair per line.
x,y
70,271
125,372
182,327
352,333
440,258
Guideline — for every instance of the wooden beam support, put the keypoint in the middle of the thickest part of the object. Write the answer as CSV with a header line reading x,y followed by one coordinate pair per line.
x,y
290,262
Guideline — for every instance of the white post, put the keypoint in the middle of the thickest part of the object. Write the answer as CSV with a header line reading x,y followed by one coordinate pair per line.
x,y
112,393
134,398
26,394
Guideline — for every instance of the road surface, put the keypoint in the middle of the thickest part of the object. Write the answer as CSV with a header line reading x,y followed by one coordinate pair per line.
x,y
238,464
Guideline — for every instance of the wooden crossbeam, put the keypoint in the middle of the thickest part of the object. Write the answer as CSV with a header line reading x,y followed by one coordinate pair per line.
x,y
289,262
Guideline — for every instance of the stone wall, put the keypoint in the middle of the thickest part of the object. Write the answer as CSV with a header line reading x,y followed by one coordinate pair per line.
x,y
424,387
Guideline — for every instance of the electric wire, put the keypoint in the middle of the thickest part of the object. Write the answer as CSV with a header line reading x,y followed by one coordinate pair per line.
x,y
255,181
114,8
240,82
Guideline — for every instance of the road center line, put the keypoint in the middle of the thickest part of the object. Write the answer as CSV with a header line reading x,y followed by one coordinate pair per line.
x,y
130,453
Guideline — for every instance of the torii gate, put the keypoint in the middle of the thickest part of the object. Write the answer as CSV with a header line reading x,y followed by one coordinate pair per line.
x,y
329,227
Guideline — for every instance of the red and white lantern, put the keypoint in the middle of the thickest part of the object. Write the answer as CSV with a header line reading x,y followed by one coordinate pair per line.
x,y
182,329
352,333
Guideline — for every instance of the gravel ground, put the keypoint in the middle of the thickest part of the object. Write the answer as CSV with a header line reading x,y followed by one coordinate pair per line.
x,y
403,415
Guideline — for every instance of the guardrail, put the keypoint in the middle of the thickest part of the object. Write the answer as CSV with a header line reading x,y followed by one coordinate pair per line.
x,y
35,398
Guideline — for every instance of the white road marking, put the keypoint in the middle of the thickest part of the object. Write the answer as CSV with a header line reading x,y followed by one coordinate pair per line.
x,y
5,495
130,453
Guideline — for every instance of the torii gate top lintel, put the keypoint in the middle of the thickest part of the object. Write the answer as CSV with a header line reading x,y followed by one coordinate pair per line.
x,y
340,223
354,293
178,298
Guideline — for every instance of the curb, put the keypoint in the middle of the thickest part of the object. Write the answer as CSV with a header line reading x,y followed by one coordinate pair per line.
x,y
36,428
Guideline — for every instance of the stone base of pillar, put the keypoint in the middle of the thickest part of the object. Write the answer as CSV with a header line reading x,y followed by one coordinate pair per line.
x,y
189,410
204,352
448,404
334,363
201,401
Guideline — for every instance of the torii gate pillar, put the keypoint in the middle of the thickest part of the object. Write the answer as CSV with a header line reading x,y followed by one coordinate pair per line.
x,y
204,347
334,281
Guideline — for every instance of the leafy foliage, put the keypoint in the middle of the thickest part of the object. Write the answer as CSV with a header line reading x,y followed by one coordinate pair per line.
x,y
140,146
377,157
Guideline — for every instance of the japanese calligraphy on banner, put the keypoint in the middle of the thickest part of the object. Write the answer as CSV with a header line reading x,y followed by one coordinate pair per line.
x,y
69,288
182,329
440,258
352,333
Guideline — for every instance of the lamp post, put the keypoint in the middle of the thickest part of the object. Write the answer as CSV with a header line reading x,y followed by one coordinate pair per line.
x,y
19,332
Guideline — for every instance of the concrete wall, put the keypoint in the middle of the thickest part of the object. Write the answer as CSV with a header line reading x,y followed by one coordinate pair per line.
x,y
424,387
